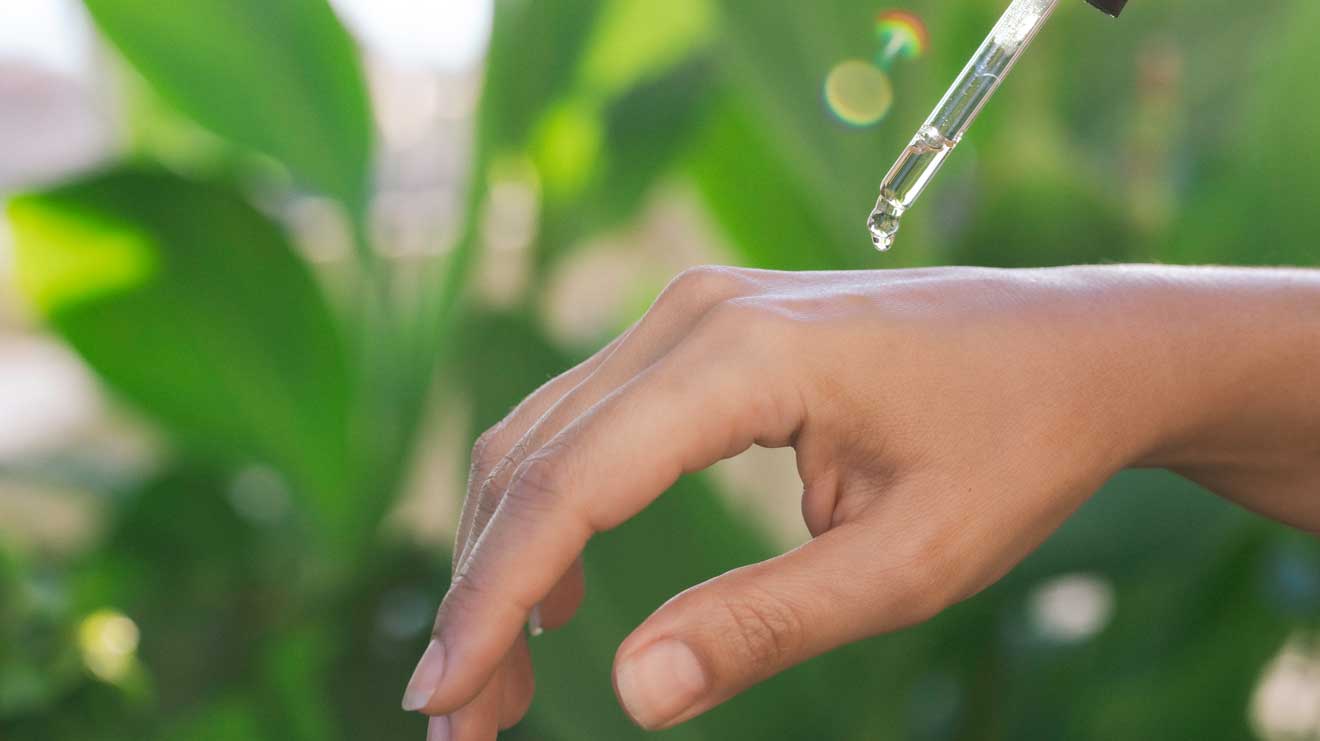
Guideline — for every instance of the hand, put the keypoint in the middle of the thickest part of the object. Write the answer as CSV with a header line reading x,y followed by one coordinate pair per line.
x,y
945,422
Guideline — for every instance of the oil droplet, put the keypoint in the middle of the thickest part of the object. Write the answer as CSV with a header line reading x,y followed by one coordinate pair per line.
x,y
930,139
883,225
905,181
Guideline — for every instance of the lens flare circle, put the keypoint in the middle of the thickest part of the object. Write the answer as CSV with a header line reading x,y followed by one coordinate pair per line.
x,y
858,93
902,35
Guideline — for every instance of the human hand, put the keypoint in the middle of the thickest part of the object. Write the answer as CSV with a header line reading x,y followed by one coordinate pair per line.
x,y
945,422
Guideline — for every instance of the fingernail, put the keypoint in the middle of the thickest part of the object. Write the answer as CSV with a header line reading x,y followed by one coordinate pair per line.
x,y
438,729
425,678
660,682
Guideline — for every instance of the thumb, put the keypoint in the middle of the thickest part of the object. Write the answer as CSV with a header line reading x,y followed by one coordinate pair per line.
x,y
720,637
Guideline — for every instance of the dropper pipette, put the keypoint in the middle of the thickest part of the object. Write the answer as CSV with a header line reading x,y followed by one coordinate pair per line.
x,y
947,124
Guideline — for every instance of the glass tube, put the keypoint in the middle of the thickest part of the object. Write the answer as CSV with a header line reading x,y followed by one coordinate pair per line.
x,y
945,127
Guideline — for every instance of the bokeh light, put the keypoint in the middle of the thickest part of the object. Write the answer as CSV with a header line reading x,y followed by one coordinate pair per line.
x,y
1072,607
443,35
108,641
1285,704
858,93
902,35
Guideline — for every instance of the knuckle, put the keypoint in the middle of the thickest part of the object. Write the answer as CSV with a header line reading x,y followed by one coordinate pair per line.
x,y
485,453
762,631
503,466
538,485
495,474
703,285
755,314
488,500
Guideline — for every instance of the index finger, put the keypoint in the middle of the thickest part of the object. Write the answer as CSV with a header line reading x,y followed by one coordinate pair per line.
x,y
493,447
710,398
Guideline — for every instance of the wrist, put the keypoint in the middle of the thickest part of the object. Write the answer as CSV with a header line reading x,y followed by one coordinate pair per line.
x,y
1214,366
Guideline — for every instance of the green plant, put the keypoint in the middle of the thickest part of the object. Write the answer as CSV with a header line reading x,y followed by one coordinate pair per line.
x,y
192,305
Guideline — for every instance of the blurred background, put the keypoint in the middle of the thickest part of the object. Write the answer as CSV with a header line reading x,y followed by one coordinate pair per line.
x,y
269,267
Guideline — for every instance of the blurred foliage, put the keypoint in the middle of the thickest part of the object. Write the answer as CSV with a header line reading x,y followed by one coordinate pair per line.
x,y
268,602
282,78
168,265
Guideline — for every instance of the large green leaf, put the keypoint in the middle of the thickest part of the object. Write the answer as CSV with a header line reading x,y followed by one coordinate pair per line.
x,y
282,78
193,305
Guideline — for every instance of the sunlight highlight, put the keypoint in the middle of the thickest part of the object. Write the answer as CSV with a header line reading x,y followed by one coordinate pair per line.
x,y
108,641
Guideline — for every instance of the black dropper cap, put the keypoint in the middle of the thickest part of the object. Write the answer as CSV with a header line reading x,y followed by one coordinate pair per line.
x,y
1112,7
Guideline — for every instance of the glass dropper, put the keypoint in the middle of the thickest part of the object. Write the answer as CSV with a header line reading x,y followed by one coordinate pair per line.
x,y
945,127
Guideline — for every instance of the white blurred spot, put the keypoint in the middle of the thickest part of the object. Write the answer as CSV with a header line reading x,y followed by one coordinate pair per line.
x,y
508,224
49,519
415,222
1071,608
50,125
322,229
408,103
259,494
604,284
53,34
52,121
441,34
428,510
1286,703
108,641
511,212
46,396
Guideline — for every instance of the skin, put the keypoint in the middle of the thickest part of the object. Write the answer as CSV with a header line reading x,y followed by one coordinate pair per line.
x,y
945,422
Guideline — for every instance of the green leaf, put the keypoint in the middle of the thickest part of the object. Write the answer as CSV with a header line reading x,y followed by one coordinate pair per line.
x,y
1185,657
380,627
775,56
533,58
646,129
297,672
191,304
758,200
512,343
641,136
227,719
634,41
603,104
1261,209
282,78
1044,216
791,185
535,46
38,662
